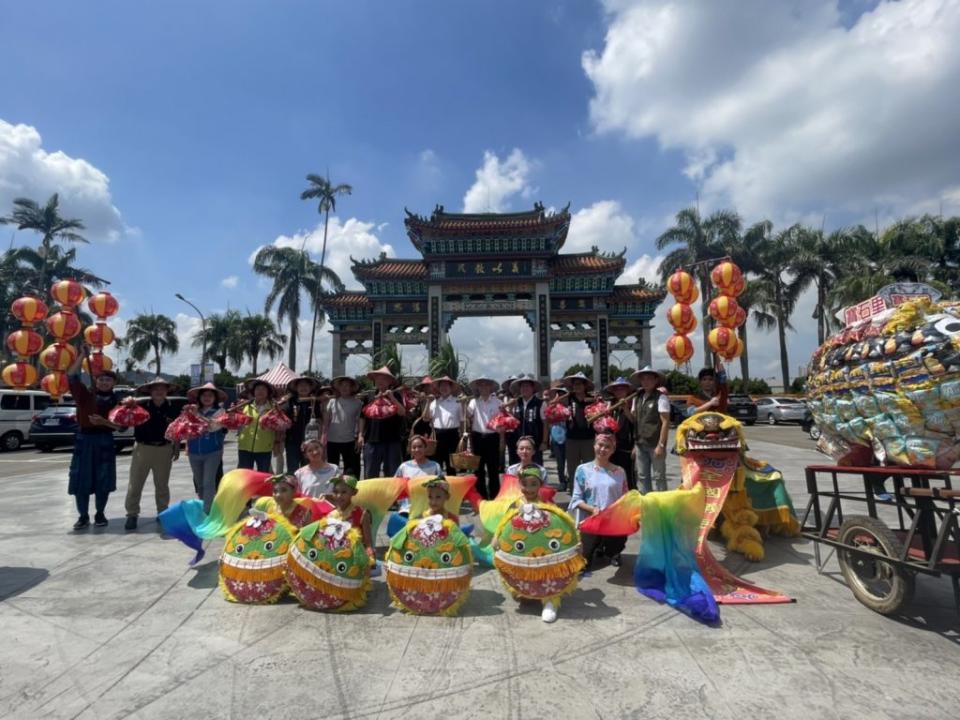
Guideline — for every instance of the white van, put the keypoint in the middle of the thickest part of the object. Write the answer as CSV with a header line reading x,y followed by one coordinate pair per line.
x,y
17,408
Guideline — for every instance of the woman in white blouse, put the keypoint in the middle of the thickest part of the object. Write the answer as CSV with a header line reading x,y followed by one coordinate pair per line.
x,y
445,415
485,443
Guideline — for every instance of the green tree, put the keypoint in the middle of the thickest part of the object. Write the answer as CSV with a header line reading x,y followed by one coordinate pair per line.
x,y
27,214
390,356
700,241
447,362
293,273
260,337
224,339
151,333
579,368
326,193
679,383
817,262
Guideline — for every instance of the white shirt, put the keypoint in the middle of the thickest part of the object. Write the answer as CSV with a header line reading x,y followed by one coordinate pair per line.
x,y
447,413
410,469
316,482
481,411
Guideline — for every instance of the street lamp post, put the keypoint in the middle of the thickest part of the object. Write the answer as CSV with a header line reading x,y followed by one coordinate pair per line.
x,y
203,331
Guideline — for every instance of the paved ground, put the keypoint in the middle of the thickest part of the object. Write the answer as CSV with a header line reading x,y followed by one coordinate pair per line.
x,y
113,625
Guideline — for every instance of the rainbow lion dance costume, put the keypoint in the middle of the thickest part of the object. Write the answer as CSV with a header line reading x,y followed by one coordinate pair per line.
x,y
675,564
327,568
429,566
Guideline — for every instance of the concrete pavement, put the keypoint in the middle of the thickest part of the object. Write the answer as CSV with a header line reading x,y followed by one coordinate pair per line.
x,y
105,624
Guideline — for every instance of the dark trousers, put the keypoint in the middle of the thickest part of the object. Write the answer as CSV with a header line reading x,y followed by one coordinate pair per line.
x,y
294,457
487,446
381,459
347,451
609,545
559,452
83,502
447,441
247,460
623,459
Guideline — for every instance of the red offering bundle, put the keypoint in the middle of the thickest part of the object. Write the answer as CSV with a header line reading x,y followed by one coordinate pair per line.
x,y
409,399
600,407
556,413
128,414
379,409
276,420
503,421
606,424
188,426
232,420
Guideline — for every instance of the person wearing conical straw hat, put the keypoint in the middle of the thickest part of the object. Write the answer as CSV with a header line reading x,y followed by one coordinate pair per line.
x,y
528,409
651,408
256,446
625,454
153,454
580,433
382,440
557,393
304,409
445,415
483,441
206,452
341,425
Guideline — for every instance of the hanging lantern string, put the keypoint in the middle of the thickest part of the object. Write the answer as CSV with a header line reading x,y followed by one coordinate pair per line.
x,y
711,261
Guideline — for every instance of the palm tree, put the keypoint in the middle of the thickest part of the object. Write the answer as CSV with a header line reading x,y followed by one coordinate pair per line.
x,y
700,240
46,220
154,333
446,362
327,193
37,268
390,356
781,290
293,273
816,261
259,336
224,341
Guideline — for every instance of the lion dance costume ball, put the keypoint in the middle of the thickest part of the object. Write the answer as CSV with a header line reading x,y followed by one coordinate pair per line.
x,y
328,567
255,557
536,552
428,566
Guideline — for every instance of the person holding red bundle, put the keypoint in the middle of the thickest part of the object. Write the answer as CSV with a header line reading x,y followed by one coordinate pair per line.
x,y
528,409
381,438
483,441
152,453
257,445
580,433
206,452
445,415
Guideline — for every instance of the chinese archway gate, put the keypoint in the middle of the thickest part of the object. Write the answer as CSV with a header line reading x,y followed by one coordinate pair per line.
x,y
488,265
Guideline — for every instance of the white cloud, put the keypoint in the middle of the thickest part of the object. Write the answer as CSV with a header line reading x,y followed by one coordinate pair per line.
x,y
230,281
344,239
29,170
608,227
498,181
644,267
787,106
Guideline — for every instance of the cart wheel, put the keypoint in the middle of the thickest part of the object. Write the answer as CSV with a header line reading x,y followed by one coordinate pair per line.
x,y
880,585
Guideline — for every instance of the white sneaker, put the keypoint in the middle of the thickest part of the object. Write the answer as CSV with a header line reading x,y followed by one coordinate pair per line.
x,y
549,613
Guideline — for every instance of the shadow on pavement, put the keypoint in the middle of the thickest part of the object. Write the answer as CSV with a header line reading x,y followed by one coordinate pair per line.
x,y
16,580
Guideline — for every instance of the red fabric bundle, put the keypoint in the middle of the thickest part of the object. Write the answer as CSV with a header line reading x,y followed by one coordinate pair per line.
x,y
128,414
187,426
503,421
606,424
410,400
232,420
597,408
379,409
276,420
556,413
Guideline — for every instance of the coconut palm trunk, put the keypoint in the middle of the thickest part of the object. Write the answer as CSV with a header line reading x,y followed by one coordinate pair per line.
x,y
316,300
744,357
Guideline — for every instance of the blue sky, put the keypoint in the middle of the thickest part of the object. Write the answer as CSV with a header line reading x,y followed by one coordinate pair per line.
x,y
186,128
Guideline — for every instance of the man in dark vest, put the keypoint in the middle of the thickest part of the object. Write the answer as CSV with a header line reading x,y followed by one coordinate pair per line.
x,y
528,409
651,411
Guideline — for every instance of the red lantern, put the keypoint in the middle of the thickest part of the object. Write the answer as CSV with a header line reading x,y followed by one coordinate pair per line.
x,y
725,276
737,320
98,335
736,289
58,356
734,352
63,325
68,293
682,318
722,340
103,305
20,375
55,384
679,348
97,364
29,310
723,309
24,342
683,287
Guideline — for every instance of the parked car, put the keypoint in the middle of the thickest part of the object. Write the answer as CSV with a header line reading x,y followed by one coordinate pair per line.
x,y
17,408
743,408
57,425
774,410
